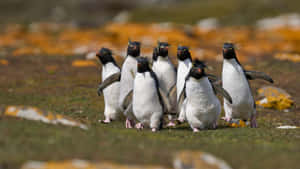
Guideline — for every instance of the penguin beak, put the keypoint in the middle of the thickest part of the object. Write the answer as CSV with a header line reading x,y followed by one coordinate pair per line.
x,y
199,70
98,54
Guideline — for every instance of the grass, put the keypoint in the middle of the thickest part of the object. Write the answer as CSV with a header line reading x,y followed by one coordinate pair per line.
x,y
91,13
229,12
72,91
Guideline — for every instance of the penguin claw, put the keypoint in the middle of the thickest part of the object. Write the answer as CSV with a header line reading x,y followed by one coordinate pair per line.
x,y
214,126
180,120
227,119
106,121
253,122
129,124
195,130
171,124
139,126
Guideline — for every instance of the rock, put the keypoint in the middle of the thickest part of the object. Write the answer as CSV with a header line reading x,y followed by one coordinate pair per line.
x,y
273,97
287,127
32,113
208,24
82,164
288,56
281,21
198,160
91,56
122,17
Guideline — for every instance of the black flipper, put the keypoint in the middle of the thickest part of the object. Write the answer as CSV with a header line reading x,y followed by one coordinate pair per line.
x,y
127,100
108,81
251,75
219,89
214,79
163,98
128,109
172,91
182,96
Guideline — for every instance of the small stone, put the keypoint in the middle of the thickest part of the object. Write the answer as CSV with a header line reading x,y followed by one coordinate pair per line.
x,y
32,113
198,160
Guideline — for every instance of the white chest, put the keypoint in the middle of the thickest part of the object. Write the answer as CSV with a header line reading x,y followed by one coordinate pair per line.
x,y
182,71
145,96
165,73
235,83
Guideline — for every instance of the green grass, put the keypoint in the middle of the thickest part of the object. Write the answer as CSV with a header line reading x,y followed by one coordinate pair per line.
x,y
229,12
72,91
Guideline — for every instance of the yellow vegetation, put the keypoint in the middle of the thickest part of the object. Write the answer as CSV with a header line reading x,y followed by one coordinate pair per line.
x,y
274,98
59,39
3,62
83,63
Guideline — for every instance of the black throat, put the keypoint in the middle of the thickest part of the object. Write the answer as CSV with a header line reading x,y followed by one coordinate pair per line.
x,y
134,49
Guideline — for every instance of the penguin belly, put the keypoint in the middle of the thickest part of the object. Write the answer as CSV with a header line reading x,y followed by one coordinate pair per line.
x,y
182,71
146,105
235,83
165,73
129,69
111,93
203,107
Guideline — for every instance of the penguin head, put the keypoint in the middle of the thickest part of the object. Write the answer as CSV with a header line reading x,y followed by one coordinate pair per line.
x,y
163,49
105,56
155,54
142,65
228,51
134,48
183,53
198,69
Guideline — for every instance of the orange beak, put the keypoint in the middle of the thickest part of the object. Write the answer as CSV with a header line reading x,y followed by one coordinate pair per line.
x,y
199,70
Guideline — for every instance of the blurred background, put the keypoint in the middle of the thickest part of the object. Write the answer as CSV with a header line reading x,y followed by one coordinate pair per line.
x,y
97,12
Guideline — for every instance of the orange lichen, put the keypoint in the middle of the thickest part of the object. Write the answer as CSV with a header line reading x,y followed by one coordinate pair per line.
x,y
288,56
237,124
3,62
274,98
60,39
83,63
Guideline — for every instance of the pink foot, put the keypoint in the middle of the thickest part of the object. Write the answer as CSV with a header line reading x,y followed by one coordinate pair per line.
x,y
227,119
195,130
171,124
181,120
139,126
253,122
154,130
215,125
106,121
129,124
